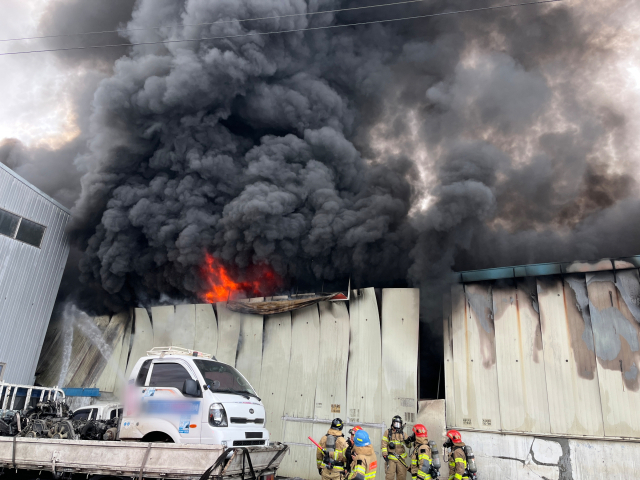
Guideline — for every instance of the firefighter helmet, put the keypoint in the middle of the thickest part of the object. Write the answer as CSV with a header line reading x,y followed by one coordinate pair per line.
x,y
420,430
337,424
454,436
362,439
355,429
396,422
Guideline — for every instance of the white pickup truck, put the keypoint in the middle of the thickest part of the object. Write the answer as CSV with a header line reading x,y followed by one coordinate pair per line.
x,y
206,408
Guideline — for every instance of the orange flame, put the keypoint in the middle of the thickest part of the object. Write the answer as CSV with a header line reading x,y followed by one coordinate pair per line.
x,y
259,281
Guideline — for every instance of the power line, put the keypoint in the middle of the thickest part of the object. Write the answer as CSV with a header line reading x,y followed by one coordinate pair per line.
x,y
282,31
212,23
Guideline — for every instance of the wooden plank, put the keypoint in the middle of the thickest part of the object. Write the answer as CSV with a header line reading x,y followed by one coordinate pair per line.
x,y
228,334
614,316
477,404
183,327
400,332
331,388
301,389
449,379
107,380
276,357
570,366
364,389
162,319
142,338
249,358
206,329
521,379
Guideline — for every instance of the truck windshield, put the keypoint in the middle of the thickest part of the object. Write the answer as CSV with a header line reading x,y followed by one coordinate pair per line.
x,y
223,378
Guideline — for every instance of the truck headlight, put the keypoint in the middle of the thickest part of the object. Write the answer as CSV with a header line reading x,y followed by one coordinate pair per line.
x,y
217,415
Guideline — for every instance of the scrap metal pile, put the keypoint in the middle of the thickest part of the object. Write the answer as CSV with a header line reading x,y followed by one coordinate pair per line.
x,y
53,419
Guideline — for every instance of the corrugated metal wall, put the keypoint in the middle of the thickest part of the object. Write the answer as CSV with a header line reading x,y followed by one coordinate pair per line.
x,y
309,366
547,355
29,276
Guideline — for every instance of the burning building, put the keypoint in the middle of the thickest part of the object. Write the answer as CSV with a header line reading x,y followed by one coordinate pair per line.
x,y
33,251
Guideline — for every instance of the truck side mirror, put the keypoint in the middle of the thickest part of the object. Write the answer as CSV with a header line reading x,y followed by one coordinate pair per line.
x,y
191,388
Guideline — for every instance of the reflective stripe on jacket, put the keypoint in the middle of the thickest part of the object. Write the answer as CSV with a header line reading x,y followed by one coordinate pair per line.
x,y
421,459
457,462
365,464
337,454
397,439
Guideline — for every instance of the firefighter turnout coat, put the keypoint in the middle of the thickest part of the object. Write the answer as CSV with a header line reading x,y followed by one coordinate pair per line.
x,y
335,445
421,460
457,462
393,445
364,464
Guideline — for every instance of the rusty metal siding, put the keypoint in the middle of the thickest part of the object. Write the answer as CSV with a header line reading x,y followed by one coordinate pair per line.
x,y
614,315
574,397
520,363
29,276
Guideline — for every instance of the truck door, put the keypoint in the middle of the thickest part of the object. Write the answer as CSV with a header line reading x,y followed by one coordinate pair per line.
x,y
164,399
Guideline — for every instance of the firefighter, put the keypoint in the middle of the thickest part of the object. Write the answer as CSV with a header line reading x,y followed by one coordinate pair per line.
x,y
394,452
457,456
350,445
365,463
331,463
421,457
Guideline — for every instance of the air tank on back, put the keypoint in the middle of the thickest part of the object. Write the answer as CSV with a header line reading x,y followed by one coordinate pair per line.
x,y
471,459
435,455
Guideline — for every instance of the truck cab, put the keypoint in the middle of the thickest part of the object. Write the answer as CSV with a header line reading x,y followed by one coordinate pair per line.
x,y
98,411
183,396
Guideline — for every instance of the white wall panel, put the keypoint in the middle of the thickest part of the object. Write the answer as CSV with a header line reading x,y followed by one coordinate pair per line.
x,y
477,404
449,379
249,358
162,319
228,334
614,316
400,332
572,384
142,338
206,329
276,358
520,365
183,326
364,389
331,389
301,389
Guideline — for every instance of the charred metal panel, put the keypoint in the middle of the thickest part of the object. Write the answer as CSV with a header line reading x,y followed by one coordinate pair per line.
x,y
614,311
206,329
520,364
400,331
331,388
124,356
478,405
301,390
228,334
142,338
449,378
276,358
114,338
364,389
29,276
582,267
570,366
83,353
183,327
249,358
162,319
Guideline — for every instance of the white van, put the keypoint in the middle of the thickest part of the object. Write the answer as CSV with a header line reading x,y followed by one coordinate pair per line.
x,y
182,396
98,411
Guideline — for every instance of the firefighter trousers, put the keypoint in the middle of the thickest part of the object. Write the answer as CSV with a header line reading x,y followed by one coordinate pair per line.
x,y
395,471
332,474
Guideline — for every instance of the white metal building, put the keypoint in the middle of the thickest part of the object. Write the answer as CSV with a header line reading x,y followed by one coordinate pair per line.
x,y
541,365
33,252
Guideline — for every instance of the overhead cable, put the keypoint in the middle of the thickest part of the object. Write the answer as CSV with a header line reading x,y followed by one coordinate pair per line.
x,y
123,30
281,31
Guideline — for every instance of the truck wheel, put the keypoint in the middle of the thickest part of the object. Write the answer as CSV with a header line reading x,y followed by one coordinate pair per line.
x,y
157,437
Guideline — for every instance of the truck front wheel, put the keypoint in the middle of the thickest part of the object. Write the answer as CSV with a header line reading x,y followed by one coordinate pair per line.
x,y
157,437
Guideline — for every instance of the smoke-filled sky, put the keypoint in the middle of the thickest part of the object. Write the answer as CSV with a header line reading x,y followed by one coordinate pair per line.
x,y
388,153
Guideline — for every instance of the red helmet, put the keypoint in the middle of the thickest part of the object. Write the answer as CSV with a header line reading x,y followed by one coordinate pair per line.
x,y
455,436
355,429
420,430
